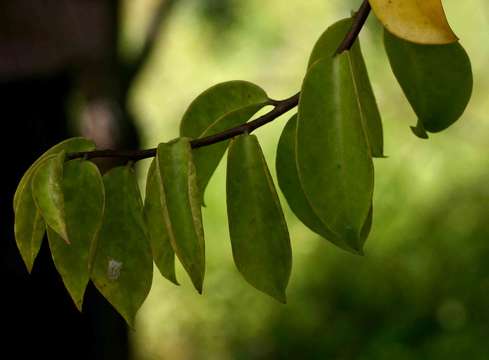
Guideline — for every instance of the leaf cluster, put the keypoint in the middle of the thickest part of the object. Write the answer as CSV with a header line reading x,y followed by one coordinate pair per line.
x,y
100,229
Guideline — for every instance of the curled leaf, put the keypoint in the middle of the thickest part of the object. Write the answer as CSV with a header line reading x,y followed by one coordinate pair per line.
x,y
75,144
181,202
48,193
29,226
163,254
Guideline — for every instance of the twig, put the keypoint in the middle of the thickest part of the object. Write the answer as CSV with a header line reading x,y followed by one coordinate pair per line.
x,y
280,108
358,21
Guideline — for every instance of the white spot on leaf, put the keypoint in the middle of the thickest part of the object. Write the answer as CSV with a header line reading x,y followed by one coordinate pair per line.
x,y
114,269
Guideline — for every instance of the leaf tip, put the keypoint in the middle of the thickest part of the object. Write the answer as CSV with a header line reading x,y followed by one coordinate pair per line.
x,y
79,304
356,250
65,237
130,321
29,267
173,280
280,297
419,130
198,284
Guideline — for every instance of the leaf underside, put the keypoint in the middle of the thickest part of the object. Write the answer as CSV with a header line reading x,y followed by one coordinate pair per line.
x,y
436,79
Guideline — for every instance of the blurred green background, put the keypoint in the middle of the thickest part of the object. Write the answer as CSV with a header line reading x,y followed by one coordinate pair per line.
x,y
422,289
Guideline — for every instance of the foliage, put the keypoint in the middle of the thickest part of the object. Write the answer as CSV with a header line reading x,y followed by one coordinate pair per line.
x,y
324,166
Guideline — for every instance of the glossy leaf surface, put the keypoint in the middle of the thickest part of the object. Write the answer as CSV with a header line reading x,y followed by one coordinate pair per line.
x,y
422,22
84,198
181,202
436,79
163,254
289,182
326,47
29,226
259,235
334,162
123,267
219,108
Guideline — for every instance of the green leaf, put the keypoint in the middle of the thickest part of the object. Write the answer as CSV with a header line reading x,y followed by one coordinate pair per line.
x,y
333,157
84,198
76,144
259,235
367,226
289,182
123,267
48,193
163,254
436,79
219,108
419,130
29,226
29,229
326,47
181,202
369,110
328,42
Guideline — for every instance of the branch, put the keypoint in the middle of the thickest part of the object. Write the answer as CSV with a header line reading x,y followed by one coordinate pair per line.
x,y
359,20
280,108
154,29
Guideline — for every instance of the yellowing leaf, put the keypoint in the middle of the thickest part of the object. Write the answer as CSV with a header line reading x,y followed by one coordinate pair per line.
x,y
419,21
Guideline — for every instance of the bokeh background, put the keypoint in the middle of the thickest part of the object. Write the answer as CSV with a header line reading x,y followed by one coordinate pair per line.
x,y
420,292
422,289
